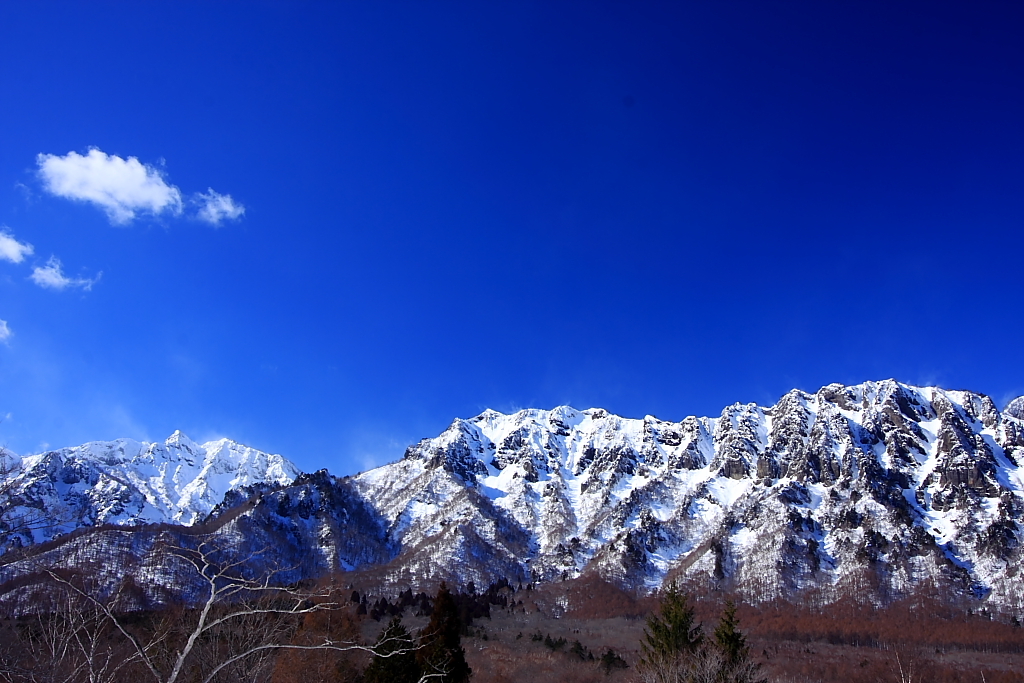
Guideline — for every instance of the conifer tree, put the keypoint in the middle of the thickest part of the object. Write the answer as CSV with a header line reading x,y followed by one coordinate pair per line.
x,y
394,659
735,666
671,634
442,641
730,641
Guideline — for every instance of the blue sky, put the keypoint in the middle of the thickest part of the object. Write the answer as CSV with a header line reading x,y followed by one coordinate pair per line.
x,y
327,229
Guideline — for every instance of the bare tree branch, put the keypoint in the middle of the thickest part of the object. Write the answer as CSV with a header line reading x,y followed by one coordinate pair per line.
x,y
239,619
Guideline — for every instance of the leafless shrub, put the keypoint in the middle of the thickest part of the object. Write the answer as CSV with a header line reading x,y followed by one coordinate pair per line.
x,y
238,626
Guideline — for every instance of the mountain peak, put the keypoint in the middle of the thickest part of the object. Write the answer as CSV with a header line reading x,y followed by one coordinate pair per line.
x,y
1015,408
127,482
879,483
178,438
813,491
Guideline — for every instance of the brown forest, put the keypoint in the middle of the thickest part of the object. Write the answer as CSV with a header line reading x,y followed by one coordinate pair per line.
x,y
582,630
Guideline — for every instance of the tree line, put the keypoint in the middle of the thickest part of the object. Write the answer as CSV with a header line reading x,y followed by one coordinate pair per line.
x,y
676,649
244,628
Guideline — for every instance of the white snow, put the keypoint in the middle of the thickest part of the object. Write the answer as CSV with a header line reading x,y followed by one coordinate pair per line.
x,y
174,481
584,479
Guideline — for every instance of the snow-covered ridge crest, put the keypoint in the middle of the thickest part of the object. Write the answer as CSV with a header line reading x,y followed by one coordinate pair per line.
x,y
869,490
127,482
822,490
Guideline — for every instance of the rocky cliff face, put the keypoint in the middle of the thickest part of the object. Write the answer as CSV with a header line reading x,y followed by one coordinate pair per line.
x,y
876,489
126,482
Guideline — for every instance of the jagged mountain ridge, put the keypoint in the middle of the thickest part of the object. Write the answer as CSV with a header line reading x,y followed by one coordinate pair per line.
x,y
879,484
126,482
873,489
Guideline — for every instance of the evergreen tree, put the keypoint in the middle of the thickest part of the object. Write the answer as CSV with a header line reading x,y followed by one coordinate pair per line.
x,y
730,641
441,641
736,665
394,658
671,634
611,660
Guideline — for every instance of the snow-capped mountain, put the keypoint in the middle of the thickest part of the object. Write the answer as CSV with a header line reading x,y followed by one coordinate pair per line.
x,y
874,490
878,485
126,482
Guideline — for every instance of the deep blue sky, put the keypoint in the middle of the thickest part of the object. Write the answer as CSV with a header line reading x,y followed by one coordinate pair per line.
x,y
652,208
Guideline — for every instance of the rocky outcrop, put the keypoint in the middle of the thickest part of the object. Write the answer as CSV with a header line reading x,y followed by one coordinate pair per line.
x,y
872,489
879,484
126,482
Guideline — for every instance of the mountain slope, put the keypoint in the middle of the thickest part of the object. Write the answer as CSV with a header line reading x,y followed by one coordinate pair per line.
x,y
874,490
127,482
879,484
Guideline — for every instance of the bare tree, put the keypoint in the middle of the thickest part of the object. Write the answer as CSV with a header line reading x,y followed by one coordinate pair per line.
x,y
69,642
708,664
233,632
904,672
665,670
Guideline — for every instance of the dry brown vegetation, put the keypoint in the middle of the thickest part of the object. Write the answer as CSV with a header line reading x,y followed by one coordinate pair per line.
x,y
559,632
849,641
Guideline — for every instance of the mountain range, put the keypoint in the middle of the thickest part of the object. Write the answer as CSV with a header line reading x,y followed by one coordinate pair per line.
x,y
127,483
874,490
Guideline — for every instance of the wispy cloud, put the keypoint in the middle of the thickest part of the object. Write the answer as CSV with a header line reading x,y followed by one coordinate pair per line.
x,y
5,331
11,249
215,207
121,187
51,276
125,188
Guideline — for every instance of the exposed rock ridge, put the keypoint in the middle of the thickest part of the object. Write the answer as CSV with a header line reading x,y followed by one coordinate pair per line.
x,y
126,482
873,489
879,484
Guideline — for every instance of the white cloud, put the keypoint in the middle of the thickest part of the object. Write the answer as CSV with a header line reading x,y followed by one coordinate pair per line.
x,y
121,187
5,331
215,207
11,249
51,276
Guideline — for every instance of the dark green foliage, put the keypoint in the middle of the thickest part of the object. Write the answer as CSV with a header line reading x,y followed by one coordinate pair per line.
x,y
736,664
731,643
671,633
394,659
611,660
441,640
554,644
474,604
581,651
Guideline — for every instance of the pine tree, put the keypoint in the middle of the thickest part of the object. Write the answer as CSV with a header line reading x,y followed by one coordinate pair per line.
x,y
736,664
441,641
394,658
730,641
671,634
